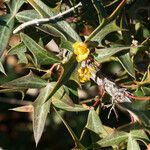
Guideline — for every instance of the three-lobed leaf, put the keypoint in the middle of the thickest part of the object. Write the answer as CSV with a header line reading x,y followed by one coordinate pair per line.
x,y
101,31
105,53
25,82
41,56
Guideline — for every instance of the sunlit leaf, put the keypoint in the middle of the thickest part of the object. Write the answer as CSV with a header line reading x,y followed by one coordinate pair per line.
x,y
132,144
139,133
26,108
113,139
2,68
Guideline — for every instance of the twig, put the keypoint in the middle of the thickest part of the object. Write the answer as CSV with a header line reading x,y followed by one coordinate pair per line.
x,y
46,20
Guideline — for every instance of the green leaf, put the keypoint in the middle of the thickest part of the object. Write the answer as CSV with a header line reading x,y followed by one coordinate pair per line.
x,y
113,139
40,112
6,28
19,50
127,64
65,44
14,5
25,82
2,68
41,56
62,26
139,134
94,124
28,15
105,53
132,144
7,23
101,31
67,106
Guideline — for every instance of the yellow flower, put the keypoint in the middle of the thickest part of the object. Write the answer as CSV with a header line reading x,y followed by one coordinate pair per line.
x,y
85,73
81,50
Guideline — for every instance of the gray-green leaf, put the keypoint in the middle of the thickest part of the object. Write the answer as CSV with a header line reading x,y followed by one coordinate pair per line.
x,y
41,56
106,53
25,82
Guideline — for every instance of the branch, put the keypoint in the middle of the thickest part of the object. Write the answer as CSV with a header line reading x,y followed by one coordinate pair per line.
x,y
46,20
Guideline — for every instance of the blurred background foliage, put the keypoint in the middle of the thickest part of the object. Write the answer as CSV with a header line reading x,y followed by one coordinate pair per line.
x,y
16,128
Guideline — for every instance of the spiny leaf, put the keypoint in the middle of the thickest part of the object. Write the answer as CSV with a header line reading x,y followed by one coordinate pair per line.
x,y
101,31
26,108
41,56
2,68
25,82
94,124
105,53
40,112
41,109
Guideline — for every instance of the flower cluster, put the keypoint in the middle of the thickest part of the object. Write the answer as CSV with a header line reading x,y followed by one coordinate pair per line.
x,y
85,73
81,50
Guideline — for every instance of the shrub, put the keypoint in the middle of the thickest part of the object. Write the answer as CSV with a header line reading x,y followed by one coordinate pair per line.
x,y
91,58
